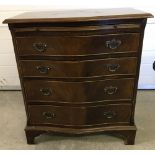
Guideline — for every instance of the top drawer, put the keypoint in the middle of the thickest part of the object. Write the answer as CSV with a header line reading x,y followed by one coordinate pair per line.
x,y
77,45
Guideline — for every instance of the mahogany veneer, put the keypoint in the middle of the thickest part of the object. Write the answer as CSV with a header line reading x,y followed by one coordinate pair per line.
x,y
79,70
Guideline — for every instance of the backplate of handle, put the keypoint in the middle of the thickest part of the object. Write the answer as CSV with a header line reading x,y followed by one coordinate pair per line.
x,y
46,91
40,47
113,44
109,114
110,90
113,67
48,115
43,69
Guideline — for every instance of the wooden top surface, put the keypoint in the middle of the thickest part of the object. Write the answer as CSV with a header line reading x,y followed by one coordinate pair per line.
x,y
78,15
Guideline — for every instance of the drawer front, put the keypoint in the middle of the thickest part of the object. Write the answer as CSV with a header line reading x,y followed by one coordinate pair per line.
x,y
79,116
77,45
88,91
77,69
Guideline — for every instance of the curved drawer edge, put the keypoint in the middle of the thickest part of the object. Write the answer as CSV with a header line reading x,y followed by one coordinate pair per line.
x,y
78,131
96,103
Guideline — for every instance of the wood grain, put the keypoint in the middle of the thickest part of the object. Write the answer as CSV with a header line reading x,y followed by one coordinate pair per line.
x,y
78,15
90,39
78,69
80,116
77,45
86,91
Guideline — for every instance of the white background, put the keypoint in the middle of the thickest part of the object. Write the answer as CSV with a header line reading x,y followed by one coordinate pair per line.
x,y
8,70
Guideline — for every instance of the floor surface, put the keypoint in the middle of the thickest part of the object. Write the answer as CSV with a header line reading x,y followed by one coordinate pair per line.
x,y
12,123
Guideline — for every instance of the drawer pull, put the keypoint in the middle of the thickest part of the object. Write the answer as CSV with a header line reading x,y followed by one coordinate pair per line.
x,y
49,115
113,67
109,114
110,90
40,47
45,91
113,44
43,69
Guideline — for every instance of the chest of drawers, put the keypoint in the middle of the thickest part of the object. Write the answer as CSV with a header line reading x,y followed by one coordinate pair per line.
x,y
79,70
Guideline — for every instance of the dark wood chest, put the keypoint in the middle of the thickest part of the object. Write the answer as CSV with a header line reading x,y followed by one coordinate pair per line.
x,y
79,70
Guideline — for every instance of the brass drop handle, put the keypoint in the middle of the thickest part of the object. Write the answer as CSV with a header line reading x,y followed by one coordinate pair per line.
x,y
110,114
43,69
40,47
113,44
110,90
113,67
46,91
49,115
